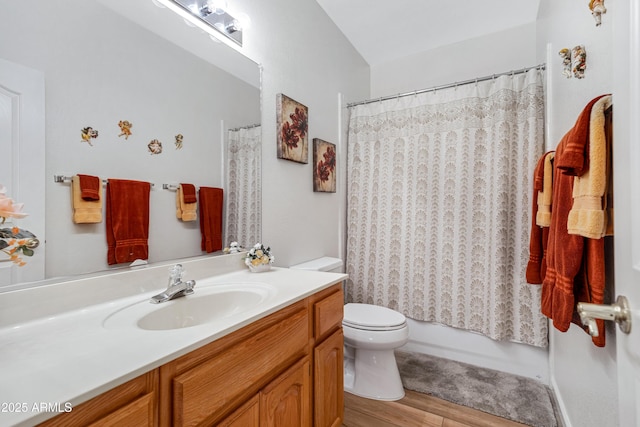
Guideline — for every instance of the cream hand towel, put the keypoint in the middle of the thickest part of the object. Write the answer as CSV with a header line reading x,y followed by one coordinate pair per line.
x,y
543,216
185,211
587,217
85,211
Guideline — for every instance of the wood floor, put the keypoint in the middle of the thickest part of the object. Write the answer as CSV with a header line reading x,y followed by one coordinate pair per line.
x,y
416,410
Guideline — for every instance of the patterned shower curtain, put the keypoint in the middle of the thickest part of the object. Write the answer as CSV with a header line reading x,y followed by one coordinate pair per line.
x,y
244,187
439,189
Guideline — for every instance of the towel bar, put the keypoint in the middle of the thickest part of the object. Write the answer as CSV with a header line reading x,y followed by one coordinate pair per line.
x,y
63,179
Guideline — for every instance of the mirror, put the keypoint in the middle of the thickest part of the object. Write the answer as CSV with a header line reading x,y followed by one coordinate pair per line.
x,y
106,61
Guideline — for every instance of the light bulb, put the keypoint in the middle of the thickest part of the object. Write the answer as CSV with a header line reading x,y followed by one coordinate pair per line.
x,y
244,21
217,6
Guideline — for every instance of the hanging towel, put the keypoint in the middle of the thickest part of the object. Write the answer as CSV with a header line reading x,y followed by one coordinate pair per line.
x,y
536,265
545,196
86,211
90,187
127,224
575,265
564,251
186,202
587,217
211,218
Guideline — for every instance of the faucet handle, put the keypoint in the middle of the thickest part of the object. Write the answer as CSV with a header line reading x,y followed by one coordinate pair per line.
x,y
176,272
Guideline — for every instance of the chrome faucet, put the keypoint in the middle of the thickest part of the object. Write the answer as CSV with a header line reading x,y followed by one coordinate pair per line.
x,y
176,287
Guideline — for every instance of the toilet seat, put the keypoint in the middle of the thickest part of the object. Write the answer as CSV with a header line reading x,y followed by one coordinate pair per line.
x,y
372,317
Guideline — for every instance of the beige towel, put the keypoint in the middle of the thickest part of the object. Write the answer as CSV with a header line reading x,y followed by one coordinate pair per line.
x,y
85,211
185,211
588,217
543,216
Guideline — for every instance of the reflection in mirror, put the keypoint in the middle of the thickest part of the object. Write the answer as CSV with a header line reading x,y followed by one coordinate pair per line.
x,y
121,60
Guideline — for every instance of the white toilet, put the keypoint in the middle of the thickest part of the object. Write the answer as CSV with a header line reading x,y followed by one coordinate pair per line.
x,y
371,334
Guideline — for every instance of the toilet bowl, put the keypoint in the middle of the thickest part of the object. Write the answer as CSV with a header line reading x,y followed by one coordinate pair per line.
x,y
371,334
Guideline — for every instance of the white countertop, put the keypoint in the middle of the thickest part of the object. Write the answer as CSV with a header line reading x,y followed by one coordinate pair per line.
x,y
69,357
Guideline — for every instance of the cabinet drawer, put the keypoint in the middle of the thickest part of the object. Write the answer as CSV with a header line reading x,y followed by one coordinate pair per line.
x,y
328,314
140,413
206,392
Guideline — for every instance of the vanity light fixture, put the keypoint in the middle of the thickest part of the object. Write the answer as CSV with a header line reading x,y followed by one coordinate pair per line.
x,y
212,16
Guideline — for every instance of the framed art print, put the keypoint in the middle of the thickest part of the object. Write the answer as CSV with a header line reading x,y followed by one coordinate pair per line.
x,y
292,129
324,169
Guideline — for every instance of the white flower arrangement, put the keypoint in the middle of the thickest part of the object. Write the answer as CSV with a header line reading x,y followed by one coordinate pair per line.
x,y
259,255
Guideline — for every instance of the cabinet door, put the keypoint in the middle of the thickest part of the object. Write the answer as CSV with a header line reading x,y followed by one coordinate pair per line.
x,y
286,401
328,381
248,415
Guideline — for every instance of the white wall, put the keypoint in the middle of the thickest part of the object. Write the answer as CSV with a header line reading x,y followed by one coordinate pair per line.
x,y
583,376
484,56
305,57
100,68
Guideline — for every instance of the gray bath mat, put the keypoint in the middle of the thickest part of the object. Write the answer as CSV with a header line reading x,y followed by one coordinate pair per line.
x,y
517,398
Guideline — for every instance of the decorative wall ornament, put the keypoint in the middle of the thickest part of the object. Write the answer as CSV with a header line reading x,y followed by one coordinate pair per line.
x,y
155,147
579,63
293,127
565,54
125,128
88,134
178,142
324,170
597,10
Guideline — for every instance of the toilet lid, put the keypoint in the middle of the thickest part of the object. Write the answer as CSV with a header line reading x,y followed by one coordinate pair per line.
x,y
367,316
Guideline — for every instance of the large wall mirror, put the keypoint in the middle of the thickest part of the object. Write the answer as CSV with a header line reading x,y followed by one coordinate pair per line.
x,y
106,61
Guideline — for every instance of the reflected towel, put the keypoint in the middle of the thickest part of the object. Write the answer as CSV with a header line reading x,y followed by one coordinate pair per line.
x,y
85,211
186,211
587,217
127,223
90,186
211,218
536,265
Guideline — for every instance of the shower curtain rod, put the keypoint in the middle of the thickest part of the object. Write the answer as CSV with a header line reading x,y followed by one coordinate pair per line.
x,y
245,127
446,86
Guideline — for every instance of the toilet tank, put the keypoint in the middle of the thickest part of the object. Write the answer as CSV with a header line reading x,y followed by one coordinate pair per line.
x,y
326,263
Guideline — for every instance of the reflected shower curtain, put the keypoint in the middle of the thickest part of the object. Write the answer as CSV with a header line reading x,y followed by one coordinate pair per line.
x,y
439,188
244,192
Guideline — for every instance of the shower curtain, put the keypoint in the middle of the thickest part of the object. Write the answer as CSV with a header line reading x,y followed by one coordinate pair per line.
x,y
439,188
244,192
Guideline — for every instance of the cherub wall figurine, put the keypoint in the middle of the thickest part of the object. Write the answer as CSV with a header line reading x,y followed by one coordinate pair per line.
x,y
125,128
155,147
565,54
178,142
88,133
579,61
597,9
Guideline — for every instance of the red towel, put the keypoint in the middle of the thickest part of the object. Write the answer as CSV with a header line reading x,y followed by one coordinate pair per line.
x,y
211,218
565,258
188,193
127,223
89,187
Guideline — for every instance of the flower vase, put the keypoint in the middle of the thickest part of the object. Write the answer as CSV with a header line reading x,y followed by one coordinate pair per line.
x,y
260,268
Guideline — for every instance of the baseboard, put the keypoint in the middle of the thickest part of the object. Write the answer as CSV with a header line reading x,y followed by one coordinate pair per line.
x,y
560,406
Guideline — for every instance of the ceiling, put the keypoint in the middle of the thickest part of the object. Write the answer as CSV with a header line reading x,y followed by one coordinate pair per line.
x,y
383,30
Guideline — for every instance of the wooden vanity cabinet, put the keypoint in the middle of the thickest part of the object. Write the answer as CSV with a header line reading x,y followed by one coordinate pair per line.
x,y
133,403
284,370
328,354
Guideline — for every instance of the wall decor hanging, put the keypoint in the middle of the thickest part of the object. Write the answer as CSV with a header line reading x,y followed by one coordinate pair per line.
x,y
597,10
579,61
324,170
565,54
125,128
292,130
155,147
88,134
178,142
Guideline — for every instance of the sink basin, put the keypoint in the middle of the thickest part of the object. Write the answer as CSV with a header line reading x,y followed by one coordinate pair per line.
x,y
208,304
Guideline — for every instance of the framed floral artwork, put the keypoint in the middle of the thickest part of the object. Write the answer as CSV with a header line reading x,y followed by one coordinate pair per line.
x,y
293,129
324,169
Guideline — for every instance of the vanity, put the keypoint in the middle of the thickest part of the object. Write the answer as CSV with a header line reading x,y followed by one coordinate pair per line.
x,y
244,350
